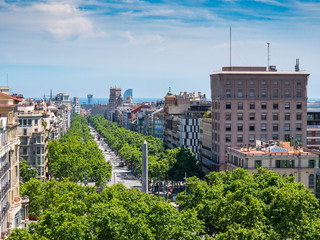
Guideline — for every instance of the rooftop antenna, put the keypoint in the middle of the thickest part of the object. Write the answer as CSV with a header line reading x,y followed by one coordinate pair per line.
x,y
230,48
268,56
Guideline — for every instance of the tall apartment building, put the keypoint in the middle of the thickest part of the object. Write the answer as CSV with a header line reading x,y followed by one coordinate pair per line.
x,y
181,120
205,146
14,207
251,103
313,125
38,124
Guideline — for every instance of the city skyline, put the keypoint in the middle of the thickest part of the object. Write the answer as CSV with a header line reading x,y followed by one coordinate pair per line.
x,y
81,47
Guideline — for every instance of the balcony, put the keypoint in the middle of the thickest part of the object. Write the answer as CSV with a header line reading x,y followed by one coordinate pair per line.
x,y
4,169
4,211
4,190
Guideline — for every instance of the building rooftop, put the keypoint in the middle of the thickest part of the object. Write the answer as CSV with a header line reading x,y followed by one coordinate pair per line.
x,y
274,148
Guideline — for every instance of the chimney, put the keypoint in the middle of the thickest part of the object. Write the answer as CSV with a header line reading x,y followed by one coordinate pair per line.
x,y
296,67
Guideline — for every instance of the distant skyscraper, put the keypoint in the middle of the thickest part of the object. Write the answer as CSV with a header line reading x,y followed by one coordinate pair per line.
x,y
127,96
89,96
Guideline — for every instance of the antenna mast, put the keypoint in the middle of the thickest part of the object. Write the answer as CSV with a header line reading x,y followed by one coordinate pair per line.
x,y
230,48
268,56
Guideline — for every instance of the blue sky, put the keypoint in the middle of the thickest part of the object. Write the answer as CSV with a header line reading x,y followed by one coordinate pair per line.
x,y
86,46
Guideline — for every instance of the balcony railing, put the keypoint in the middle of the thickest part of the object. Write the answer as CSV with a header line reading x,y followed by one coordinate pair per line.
x,y
313,126
4,169
4,190
4,211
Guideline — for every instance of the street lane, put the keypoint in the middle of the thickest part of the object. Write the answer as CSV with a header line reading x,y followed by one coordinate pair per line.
x,y
119,174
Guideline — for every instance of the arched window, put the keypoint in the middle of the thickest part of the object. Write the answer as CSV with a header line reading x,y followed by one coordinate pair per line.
x,y
311,181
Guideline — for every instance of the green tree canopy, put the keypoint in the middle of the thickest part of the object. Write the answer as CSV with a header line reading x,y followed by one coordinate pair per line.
x,y
259,206
77,155
27,172
71,211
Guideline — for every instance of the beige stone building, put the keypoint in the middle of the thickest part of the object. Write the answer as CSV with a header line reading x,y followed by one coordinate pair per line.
x,y
205,137
14,208
286,160
250,103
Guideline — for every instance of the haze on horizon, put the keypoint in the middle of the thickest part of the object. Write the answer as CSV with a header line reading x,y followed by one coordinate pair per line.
x,y
80,46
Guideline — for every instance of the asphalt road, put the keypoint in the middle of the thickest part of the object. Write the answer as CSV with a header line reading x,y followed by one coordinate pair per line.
x,y
119,174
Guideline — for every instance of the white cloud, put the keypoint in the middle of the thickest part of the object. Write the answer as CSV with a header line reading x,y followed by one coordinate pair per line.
x,y
61,20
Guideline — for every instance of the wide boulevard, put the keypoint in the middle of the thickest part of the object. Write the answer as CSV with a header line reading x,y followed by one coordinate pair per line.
x,y
119,174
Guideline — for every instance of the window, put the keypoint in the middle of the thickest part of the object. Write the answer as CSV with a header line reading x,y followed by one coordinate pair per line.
x,y
275,116
20,122
252,83
251,138
257,163
299,137
263,127
299,116
275,93
36,122
286,93
287,106
287,116
275,106
228,93
251,93
299,84
24,151
263,83
240,116
311,163
240,83
287,137
38,150
311,181
251,116
25,122
287,83
284,163
298,127
287,127
25,131
275,83
263,116
275,127
228,127
29,122
275,137
240,105
228,138
228,105
227,82
264,93
251,127
263,137
240,127
228,116
239,138
252,105
264,105
299,93
240,93
299,105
